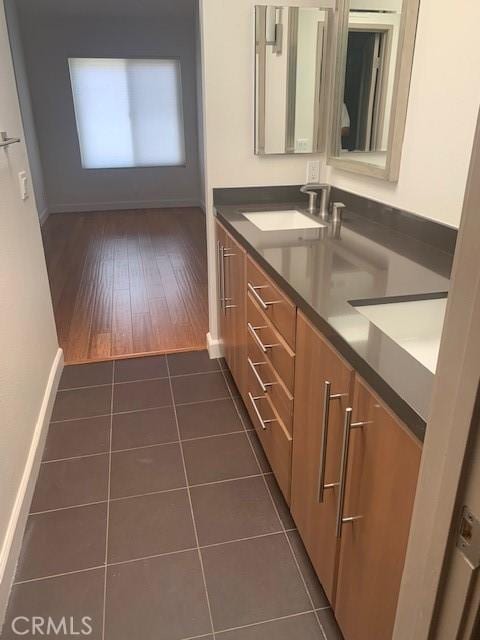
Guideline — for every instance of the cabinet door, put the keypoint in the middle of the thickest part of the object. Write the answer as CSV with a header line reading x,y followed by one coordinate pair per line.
x,y
382,462
323,387
233,321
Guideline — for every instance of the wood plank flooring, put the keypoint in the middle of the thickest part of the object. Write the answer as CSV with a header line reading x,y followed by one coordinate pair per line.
x,y
128,283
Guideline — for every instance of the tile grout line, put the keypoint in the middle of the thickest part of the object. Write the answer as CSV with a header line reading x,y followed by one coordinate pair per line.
x,y
161,406
107,384
281,523
191,507
145,446
108,504
147,493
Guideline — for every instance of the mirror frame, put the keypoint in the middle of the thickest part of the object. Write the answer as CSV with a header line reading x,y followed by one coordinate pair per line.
x,y
322,90
401,89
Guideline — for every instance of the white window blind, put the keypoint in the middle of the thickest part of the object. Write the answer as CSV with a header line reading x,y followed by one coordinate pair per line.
x,y
128,112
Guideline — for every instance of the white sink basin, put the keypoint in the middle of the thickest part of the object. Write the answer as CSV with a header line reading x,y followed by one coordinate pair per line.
x,y
415,325
282,220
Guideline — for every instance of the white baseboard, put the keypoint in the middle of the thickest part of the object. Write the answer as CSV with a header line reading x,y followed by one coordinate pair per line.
x,y
215,347
134,204
12,542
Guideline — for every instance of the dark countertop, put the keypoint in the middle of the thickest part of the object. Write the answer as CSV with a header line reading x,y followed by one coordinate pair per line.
x,y
323,269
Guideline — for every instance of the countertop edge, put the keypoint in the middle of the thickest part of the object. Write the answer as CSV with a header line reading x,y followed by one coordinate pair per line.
x,y
415,423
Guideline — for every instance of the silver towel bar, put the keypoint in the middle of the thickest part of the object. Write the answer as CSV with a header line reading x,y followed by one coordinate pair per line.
x,y
5,141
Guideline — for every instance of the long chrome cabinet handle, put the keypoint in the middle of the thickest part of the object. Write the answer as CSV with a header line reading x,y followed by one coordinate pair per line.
x,y
348,425
253,330
226,253
253,400
253,366
258,298
328,396
221,297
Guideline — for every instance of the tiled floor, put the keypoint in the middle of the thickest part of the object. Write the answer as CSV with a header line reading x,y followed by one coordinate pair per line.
x,y
156,514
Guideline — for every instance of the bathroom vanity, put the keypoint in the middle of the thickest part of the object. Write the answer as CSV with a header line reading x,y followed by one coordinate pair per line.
x,y
337,389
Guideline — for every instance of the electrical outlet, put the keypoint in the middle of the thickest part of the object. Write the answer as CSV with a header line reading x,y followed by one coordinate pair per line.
x,y
23,184
313,171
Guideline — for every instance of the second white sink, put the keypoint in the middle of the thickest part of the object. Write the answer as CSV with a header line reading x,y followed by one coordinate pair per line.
x,y
415,325
282,220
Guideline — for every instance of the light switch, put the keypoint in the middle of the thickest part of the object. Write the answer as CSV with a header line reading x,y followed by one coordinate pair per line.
x,y
23,183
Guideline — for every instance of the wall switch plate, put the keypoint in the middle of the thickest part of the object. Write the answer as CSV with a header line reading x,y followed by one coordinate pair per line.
x,y
23,184
313,171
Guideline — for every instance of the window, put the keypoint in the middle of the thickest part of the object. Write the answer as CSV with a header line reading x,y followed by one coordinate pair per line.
x,y
128,112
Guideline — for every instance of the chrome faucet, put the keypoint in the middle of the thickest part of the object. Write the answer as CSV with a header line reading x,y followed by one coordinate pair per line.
x,y
311,191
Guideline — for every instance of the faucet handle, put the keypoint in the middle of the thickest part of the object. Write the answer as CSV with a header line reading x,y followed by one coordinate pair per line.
x,y
337,208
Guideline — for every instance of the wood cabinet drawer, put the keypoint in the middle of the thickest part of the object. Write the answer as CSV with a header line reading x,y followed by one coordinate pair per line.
x,y
271,343
277,307
272,433
270,383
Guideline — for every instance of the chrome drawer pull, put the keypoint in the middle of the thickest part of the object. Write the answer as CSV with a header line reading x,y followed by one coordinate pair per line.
x,y
253,330
253,400
258,298
264,385
348,425
323,449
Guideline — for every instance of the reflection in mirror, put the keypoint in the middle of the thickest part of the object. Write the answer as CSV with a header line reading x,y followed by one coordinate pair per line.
x,y
374,64
290,45
369,76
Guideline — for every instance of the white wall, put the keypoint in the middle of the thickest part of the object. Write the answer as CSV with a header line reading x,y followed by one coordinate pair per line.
x,y
30,358
59,30
442,113
26,109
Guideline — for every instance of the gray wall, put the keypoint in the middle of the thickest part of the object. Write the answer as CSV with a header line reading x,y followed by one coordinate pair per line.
x,y
49,39
26,108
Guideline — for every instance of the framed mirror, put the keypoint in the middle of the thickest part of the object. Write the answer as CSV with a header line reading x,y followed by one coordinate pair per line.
x,y
376,41
291,66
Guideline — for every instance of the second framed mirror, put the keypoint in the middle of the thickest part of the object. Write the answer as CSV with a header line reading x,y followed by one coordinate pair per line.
x,y
372,79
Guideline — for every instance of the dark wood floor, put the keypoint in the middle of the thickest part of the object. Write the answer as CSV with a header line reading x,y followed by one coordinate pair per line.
x,y
128,282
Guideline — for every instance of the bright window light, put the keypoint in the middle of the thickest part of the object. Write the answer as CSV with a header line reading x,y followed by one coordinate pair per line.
x,y
129,112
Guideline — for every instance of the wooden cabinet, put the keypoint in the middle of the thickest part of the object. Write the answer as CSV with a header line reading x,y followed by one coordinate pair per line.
x,y
380,484
323,390
231,267
346,465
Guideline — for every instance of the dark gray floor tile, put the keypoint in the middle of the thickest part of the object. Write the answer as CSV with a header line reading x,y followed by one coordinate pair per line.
x,y
233,510
63,541
191,362
208,418
147,394
219,458
329,625
150,525
71,482
143,428
77,438
200,387
282,506
302,627
257,447
86,375
82,403
157,599
141,368
253,580
146,470
74,596
313,584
